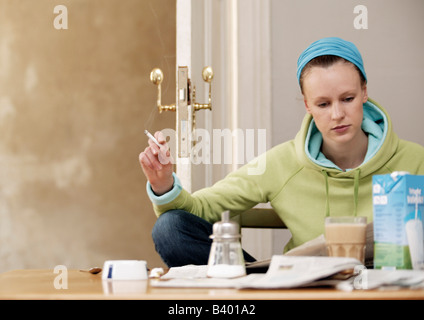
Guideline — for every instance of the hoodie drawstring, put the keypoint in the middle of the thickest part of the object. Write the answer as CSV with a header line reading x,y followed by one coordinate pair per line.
x,y
327,198
355,192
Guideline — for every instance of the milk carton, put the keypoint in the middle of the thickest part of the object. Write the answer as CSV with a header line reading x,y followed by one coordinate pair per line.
x,y
398,221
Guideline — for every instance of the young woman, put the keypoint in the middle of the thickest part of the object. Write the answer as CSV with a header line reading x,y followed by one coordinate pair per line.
x,y
327,170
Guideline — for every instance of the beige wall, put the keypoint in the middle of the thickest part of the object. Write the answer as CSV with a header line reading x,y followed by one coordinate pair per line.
x,y
391,48
73,107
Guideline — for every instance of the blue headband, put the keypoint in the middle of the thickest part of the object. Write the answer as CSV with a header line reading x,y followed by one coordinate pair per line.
x,y
331,46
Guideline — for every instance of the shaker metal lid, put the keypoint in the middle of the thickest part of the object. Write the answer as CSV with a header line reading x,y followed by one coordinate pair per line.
x,y
225,229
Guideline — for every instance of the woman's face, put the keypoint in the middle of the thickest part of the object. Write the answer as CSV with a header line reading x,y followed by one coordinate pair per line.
x,y
334,97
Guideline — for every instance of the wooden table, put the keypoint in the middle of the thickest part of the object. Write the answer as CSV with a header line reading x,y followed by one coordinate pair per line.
x,y
40,285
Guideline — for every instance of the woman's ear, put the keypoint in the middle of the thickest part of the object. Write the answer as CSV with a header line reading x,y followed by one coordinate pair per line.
x,y
365,94
308,110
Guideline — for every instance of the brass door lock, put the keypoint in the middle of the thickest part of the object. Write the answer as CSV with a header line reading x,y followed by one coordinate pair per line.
x,y
186,97
156,77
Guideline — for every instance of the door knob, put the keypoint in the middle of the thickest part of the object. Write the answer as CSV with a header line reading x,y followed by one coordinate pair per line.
x,y
156,77
207,75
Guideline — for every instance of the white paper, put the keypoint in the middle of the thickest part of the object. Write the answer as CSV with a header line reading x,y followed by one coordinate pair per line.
x,y
284,272
373,279
294,271
190,271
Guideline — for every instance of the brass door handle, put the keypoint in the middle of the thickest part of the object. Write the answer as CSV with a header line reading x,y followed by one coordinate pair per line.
x,y
156,77
187,105
207,75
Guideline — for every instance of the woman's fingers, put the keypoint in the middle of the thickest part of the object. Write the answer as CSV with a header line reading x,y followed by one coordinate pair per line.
x,y
160,137
149,159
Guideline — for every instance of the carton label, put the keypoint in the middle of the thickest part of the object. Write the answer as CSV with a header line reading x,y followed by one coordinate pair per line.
x,y
398,229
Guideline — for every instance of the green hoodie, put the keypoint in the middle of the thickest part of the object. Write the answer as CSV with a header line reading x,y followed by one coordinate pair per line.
x,y
302,185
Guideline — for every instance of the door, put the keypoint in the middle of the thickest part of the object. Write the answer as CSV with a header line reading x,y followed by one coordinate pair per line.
x,y
234,38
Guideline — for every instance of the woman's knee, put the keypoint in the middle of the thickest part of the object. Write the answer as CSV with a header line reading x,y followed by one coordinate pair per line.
x,y
168,222
179,235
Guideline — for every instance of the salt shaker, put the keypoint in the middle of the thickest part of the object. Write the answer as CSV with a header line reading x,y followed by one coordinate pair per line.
x,y
226,256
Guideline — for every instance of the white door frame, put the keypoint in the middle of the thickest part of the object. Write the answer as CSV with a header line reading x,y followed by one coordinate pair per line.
x,y
251,101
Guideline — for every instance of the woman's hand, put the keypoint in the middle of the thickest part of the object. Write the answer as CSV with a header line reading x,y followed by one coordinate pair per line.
x,y
157,165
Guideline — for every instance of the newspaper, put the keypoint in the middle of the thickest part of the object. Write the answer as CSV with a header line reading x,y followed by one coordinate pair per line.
x,y
298,271
306,265
368,279
284,272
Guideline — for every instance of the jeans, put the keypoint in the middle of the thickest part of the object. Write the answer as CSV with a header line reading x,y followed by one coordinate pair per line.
x,y
182,238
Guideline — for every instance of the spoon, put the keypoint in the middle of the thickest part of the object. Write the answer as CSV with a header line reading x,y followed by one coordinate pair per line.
x,y
93,270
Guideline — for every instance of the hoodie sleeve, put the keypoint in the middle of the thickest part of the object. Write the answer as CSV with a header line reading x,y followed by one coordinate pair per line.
x,y
239,191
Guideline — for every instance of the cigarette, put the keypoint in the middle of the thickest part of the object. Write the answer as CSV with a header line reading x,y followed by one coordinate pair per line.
x,y
151,137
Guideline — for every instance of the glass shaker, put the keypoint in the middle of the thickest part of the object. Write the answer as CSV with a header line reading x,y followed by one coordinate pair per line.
x,y
226,256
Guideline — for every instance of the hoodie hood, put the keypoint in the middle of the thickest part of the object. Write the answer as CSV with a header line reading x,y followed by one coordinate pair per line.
x,y
382,144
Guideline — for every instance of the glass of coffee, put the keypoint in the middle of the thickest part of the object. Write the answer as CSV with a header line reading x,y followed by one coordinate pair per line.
x,y
346,237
